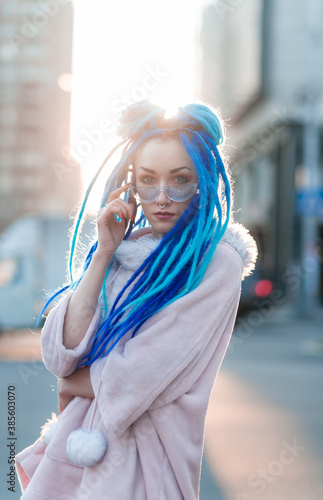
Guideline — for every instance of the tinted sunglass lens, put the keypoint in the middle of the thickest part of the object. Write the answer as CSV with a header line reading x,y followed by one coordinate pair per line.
x,y
180,193
147,193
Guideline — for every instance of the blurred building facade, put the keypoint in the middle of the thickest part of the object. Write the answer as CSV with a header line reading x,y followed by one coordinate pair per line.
x,y
36,173
260,63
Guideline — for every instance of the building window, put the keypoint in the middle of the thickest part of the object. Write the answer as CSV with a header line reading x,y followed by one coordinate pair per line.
x,y
8,94
6,28
9,271
30,183
33,51
8,116
29,139
6,160
29,159
31,117
32,93
6,181
32,74
9,9
7,139
9,75
29,8
7,52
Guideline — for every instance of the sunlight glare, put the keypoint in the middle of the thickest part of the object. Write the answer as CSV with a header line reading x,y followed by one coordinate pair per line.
x,y
125,52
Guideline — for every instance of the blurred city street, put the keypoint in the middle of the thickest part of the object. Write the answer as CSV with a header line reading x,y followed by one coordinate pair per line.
x,y
263,436
68,72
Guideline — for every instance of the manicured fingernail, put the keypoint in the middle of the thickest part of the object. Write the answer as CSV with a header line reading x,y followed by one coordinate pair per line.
x,y
133,218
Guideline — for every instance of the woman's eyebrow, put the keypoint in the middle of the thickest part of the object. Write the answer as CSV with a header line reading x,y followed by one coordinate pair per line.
x,y
171,171
177,169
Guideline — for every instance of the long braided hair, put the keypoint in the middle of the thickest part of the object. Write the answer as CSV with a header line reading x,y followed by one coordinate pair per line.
x,y
179,262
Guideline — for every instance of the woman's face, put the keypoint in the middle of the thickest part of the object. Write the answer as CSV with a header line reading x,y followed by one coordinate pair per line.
x,y
164,162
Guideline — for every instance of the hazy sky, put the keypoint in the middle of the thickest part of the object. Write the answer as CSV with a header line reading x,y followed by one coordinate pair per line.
x,y
126,51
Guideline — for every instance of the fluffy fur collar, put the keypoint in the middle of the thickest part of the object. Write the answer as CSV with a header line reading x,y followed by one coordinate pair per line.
x,y
132,252
241,240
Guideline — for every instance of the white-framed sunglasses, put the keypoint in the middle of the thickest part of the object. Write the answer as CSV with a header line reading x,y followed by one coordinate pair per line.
x,y
149,194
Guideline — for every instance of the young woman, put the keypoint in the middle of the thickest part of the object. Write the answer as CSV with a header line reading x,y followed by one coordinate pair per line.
x,y
139,337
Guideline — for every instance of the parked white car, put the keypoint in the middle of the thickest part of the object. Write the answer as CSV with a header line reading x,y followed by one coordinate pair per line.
x,y
33,253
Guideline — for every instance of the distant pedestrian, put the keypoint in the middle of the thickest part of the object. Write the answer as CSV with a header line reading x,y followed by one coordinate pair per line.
x,y
138,339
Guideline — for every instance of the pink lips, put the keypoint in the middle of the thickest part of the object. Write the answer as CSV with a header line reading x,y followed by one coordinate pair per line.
x,y
163,215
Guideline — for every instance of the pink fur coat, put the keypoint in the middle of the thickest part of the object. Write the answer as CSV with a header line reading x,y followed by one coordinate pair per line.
x,y
141,437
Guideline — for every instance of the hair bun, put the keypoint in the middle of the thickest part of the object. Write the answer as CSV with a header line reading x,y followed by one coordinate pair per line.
x,y
138,118
197,116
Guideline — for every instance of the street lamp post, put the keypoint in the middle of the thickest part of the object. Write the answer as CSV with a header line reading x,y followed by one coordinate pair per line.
x,y
311,146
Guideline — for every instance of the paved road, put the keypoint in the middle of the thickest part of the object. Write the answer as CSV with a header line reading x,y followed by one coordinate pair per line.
x,y
264,438
35,400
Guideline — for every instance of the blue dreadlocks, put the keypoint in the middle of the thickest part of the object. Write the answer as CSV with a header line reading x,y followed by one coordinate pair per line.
x,y
179,262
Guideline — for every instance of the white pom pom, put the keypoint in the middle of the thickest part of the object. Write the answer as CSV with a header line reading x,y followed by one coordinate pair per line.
x,y
86,448
49,429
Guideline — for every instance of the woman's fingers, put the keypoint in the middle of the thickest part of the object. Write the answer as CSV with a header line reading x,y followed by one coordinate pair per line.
x,y
115,208
63,401
110,229
116,193
108,217
99,212
127,209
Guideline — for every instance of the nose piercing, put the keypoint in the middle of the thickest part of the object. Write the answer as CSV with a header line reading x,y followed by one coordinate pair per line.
x,y
162,206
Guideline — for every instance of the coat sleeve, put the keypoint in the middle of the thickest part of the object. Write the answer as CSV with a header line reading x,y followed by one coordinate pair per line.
x,y
57,358
168,345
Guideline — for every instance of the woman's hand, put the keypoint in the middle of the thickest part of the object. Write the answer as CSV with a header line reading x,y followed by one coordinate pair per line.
x,y
110,231
84,301
77,384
